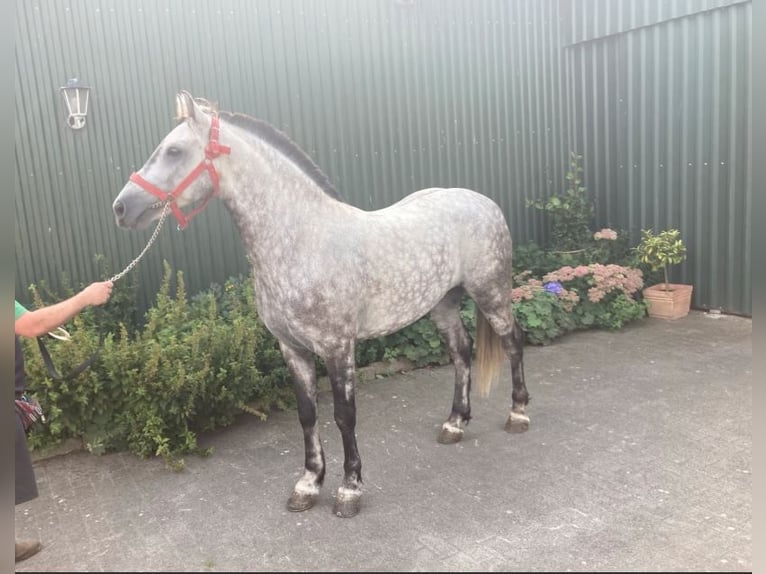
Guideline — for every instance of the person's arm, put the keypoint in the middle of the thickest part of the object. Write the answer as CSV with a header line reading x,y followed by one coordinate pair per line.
x,y
41,321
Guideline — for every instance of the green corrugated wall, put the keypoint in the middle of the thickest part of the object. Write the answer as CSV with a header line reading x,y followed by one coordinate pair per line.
x,y
662,112
387,96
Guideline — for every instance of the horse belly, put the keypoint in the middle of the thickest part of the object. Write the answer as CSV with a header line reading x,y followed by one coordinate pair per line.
x,y
401,299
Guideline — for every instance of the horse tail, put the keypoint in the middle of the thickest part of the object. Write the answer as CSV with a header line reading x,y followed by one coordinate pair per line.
x,y
489,355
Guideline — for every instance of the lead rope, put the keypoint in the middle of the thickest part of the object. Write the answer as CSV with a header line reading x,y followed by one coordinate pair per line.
x,y
62,334
133,263
52,373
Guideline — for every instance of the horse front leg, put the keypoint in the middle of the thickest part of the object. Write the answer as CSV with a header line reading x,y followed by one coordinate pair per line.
x,y
302,368
341,370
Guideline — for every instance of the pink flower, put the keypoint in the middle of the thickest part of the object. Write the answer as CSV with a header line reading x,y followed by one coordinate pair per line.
x,y
581,271
522,277
523,293
605,233
600,279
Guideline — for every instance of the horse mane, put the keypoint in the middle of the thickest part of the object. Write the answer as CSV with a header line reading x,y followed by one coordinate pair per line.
x,y
284,144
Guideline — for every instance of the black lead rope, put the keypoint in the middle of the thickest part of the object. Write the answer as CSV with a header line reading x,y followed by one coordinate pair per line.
x,y
53,373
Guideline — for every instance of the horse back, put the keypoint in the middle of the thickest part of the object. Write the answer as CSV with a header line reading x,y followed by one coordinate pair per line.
x,y
422,247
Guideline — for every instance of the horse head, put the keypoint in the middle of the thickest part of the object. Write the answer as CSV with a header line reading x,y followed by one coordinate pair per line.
x,y
180,172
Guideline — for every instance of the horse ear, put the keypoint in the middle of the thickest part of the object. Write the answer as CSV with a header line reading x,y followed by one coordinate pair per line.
x,y
195,112
184,106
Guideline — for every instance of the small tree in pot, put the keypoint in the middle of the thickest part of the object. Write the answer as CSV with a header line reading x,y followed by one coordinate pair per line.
x,y
667,300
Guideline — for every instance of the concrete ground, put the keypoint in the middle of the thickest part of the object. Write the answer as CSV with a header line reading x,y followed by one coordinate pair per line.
x,y
638,458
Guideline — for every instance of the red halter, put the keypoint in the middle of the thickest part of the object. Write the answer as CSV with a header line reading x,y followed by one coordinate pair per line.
x,y
213,149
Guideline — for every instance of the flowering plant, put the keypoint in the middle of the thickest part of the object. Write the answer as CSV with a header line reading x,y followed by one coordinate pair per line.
x,y
605,233
580,297
600,279
544,311
603,295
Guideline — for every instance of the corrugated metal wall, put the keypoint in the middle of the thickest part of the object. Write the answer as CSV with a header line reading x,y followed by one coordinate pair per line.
x,y
584,20
662,115
388,96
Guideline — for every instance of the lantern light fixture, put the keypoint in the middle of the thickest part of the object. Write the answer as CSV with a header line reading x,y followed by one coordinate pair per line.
x,y
76,97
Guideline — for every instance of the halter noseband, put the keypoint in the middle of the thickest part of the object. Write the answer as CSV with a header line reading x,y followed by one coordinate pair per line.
x,y
213,149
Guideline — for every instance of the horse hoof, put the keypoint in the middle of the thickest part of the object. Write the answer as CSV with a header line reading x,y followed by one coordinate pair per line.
x,y
450,434
347,508
347,503
300,502
517,423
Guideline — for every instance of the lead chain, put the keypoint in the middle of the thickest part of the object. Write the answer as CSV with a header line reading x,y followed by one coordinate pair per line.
x,y
133,263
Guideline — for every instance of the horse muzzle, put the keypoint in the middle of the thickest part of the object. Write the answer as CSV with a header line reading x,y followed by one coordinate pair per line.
x,y
132,208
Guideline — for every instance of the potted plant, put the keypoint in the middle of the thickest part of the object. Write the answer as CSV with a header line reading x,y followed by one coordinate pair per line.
x,y
665,300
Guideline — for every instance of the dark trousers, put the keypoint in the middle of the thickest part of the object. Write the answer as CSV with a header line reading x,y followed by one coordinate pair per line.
x,y
26,485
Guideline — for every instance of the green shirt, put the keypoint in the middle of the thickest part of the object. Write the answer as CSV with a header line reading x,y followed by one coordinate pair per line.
x,y
20,309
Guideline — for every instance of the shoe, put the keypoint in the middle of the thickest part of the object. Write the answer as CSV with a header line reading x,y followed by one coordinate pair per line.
x,y
27,548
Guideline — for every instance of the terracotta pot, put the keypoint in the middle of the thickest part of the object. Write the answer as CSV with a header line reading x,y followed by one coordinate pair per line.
x,y
672,304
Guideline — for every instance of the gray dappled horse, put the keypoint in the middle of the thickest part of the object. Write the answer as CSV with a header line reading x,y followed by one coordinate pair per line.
x,y
328,274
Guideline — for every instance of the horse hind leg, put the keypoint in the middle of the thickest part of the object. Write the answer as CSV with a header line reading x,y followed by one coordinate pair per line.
x,y
497,321
518,419
446,317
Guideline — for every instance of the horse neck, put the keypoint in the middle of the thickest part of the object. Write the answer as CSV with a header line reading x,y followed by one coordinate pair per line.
x,y
271,199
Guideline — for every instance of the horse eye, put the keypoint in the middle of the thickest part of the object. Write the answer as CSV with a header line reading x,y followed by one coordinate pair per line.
x,y
174,151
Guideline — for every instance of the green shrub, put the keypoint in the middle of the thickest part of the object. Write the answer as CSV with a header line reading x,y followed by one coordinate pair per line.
x,y
660,251
572,242
570,212
540,316
183,372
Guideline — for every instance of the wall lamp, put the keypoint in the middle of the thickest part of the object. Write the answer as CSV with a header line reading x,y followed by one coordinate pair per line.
x,y
76,99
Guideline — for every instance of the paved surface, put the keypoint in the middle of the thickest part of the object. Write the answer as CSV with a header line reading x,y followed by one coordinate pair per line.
x,y
638,458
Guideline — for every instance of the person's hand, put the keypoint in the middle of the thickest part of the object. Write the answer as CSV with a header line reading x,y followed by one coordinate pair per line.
x,y
97,293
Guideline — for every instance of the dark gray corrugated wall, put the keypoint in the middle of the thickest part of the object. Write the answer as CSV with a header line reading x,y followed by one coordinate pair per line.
x,y
388,96
661,112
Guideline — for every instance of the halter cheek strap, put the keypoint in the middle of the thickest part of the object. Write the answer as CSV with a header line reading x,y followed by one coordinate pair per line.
x,y
213,149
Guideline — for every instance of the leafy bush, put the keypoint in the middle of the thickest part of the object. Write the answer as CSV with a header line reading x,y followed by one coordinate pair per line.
x,y
183,372
572,242
661,250
571,212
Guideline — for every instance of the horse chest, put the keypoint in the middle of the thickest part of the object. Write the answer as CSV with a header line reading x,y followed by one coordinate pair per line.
x,y
307,317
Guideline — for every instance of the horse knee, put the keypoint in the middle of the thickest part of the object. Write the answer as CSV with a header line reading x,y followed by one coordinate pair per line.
x,y
345,418
307,413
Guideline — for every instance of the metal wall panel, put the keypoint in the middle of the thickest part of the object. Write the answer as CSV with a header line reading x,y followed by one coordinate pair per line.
x,y
584,20
662,115
387,96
